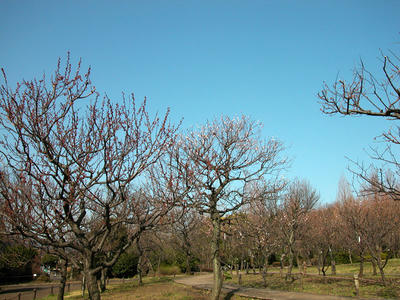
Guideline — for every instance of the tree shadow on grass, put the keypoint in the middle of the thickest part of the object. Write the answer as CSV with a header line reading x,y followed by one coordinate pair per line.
x,y
230,294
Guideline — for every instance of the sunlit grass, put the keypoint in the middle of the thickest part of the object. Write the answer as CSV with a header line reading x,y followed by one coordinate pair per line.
x,y
153,288
329,285
393,267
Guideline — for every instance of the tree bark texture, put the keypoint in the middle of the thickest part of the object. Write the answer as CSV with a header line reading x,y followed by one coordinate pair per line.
x,y
215,248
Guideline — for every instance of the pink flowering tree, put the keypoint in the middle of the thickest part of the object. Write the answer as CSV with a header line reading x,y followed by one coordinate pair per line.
x,y
299,200
69,161
215,166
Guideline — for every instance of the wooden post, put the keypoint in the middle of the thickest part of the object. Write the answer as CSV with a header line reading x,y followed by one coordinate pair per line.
x,y
357,284
240,279
34,294
301,279
19,296
52,290
304,267
264,276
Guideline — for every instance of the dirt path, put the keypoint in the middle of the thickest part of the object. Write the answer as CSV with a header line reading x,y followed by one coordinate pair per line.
x,y
205,282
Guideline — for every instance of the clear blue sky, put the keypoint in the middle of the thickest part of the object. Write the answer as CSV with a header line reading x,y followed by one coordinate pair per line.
x,y
265,59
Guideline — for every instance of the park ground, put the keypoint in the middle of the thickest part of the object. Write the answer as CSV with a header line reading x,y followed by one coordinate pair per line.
x,y
184,287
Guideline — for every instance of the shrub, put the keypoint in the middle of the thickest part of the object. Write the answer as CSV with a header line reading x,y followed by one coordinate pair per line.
x,y
126,266
169,270
43,278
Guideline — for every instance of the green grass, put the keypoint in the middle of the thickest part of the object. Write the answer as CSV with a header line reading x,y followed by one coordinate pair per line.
x,y
329,285
154,288
393,267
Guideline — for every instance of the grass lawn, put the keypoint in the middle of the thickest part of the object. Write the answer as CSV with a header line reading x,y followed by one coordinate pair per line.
x,y
164,288
154,288
328,285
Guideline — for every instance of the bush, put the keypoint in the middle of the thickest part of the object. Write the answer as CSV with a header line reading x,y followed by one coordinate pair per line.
x,y
227,276
342,257
276,264
43,278
49,260
16,263
126,266
169,270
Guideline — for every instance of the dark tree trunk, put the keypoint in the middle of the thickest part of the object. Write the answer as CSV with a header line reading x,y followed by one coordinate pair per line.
x,y
63,280
139,270
298,260
361,271
264,273
139,264
159,264
373,267
333,262
103,280
93,288
187,263
290,267
215,248
90,273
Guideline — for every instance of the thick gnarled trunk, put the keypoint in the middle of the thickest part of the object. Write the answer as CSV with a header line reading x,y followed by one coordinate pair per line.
x,y
92,287
215,248
90,273
63,280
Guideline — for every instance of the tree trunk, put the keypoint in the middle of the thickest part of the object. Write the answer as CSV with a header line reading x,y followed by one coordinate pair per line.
x,y
63,280
264,273
215,248
139,264
93,288
373,267
361,271
159,264
103,280
139,270
298,260
281,264
187,264
83,284
319,261
350,258
290,267
382,276
380,265
333,262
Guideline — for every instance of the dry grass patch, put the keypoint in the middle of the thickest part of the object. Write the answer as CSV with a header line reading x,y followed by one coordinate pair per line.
x,y
154,288
319,285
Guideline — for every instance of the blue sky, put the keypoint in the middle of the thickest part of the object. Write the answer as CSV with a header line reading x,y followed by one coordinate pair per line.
x,y
265,59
